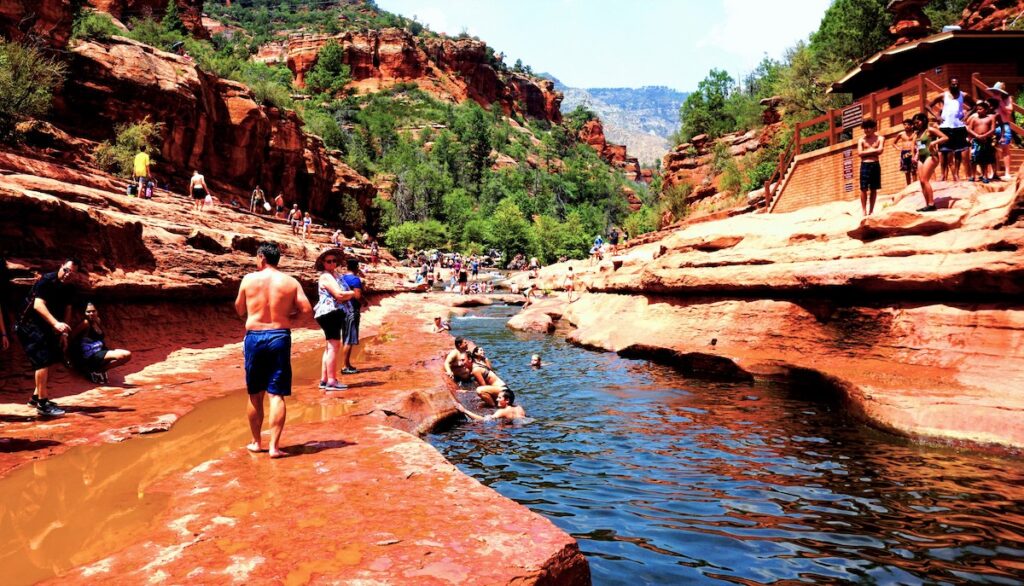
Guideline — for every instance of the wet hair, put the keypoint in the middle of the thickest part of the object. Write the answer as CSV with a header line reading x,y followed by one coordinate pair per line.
x,y
270,253
73,260
868,123
459,341
920,117
352,264
508,395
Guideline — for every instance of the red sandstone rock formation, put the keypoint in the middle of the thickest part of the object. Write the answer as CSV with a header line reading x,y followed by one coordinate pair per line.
x,y
903,315
592,134
47,22
451,69
190,12
982,15
909,20
211,124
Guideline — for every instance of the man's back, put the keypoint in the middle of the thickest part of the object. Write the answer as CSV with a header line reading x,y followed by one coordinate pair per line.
x,y
272,300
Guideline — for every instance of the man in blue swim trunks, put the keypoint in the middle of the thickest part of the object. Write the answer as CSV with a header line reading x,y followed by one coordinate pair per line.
x,y
270,301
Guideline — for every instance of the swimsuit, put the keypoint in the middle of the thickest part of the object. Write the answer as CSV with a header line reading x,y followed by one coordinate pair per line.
x,y
268,361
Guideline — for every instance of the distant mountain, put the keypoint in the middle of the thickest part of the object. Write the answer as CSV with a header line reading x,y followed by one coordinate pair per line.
x,y
640,118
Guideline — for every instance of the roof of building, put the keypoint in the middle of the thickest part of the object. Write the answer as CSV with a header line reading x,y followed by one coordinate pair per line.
x,y
896,64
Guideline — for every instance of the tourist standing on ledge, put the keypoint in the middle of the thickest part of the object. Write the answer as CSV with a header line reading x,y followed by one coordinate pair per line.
x,y
954,110
1004,134
279,206
929,137
270,301
256,202
42,335
350,333
981,127
869,148
570,284
294,218
197,186
904,143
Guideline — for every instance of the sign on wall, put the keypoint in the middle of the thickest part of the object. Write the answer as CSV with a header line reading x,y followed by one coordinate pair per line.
x,y
852,116
847,168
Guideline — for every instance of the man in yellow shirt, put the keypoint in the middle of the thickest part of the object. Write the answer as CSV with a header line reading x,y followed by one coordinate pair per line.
x,y
141,170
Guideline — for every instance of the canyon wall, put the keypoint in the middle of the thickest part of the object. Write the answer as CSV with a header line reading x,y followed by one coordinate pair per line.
x,y
914,320
189,11
450,69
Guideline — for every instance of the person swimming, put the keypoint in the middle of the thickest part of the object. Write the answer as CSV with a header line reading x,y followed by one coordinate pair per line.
x,y
491,384
507,409
535,361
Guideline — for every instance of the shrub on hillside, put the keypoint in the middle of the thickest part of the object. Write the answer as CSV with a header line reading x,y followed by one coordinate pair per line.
x,y
641,221
674,200
416,236
94,25
27,81
117,157
329,74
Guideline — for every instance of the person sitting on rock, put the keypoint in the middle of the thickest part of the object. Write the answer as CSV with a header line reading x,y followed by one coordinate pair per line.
x,y
90,351
455,363
507,409
441,326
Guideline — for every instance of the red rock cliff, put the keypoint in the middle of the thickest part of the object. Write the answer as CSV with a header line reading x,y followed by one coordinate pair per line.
x,y
36,21
451,69
990,14
211,124
592,134
190,11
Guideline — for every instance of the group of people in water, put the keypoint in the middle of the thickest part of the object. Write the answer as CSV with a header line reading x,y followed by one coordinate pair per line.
x,y
467,363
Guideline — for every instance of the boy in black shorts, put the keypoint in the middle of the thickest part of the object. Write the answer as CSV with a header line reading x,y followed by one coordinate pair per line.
x,y
869,147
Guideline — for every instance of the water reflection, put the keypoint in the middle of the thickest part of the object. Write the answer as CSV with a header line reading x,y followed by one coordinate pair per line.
x,y
665,480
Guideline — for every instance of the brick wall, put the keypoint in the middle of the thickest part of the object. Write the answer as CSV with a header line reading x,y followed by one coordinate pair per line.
x,y
820,177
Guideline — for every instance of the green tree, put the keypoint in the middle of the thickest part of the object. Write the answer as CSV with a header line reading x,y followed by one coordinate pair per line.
x,y
851,30
704,111
329,74
92,24
27,81
510,232
117,157
475,135
172,20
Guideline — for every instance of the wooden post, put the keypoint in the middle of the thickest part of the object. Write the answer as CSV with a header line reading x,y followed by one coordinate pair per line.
x,y
831,127
796,140
974,86
873,106
922,92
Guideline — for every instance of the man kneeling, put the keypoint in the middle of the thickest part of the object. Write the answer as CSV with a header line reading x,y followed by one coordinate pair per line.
x,y
270,301
507,409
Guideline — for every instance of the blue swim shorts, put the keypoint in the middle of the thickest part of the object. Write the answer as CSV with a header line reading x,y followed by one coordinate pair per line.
x,y
1004,134
268,361
350,330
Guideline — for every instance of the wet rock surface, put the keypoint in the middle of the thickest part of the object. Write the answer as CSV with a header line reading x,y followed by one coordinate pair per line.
x,y
905,316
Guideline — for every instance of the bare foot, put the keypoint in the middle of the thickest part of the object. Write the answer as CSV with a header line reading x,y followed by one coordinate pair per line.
x,y
279,454
254,447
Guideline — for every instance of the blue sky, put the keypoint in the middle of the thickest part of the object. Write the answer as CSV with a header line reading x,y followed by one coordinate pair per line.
x,y
613,43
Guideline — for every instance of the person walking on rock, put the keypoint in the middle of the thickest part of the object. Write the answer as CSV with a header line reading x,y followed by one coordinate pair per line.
x,y
43,336
197,186
256,201
270,301
140,170
279,206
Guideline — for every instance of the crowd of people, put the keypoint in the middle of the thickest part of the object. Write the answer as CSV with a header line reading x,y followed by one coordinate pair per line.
x,y
467,363
959,136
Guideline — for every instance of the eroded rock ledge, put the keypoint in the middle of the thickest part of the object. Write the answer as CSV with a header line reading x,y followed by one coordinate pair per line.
x,y
914,320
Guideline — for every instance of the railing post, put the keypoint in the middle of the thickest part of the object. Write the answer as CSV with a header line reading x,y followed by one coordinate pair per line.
x,y
874,105
974,86
796,140
831,127
922,91
767,194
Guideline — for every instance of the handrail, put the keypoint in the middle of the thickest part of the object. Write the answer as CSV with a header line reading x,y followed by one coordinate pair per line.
x,y
977,84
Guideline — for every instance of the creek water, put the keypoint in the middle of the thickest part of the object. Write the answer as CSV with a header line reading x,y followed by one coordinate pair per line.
x,y
667,480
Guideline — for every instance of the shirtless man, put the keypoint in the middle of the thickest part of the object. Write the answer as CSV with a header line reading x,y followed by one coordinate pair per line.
x,y
507,409
869,148
455,363
981,127
570,284
270,301
1004,133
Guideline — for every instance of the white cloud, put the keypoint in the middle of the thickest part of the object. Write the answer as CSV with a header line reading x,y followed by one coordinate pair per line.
x,y
751,28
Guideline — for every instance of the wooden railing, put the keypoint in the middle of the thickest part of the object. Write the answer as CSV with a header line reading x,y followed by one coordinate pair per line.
x,y
979,89
874,106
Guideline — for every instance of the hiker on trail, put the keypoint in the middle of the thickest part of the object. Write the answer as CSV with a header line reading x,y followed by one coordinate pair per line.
x,y
197,187
332,311
869,148
981,127
279,206
140,170
904,143
954,110
295,218
271,302
1004,132
507,409
928,137
42,334
350,332
613,240
257,201
90,347
307,225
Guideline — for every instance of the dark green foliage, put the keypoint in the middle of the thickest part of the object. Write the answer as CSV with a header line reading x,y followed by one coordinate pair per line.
x,y
704,112
27,81
330,74
117,157
851,30
93,25
575,120
945,12
171,20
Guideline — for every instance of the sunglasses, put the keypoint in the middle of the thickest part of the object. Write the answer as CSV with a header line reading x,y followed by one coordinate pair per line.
x,y
331,260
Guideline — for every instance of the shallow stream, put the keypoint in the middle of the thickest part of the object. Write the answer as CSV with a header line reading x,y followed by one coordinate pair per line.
x,y
665,480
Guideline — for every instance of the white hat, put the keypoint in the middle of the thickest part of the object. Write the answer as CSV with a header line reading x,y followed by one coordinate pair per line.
x,y
999,88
